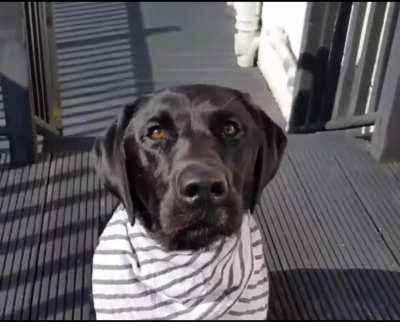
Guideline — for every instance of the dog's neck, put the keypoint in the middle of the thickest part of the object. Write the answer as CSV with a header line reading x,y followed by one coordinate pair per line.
x,y
131,269
153,232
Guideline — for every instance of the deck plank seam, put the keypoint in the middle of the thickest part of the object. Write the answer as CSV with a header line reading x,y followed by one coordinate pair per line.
x,y
338,208
284,186
326,248
339,257
366,209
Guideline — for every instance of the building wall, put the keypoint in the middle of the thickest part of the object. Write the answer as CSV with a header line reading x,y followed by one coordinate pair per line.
x,y
279,48
286,15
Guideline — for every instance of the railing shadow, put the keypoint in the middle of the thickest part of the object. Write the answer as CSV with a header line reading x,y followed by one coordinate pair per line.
x,y
103,64
51,212
4,146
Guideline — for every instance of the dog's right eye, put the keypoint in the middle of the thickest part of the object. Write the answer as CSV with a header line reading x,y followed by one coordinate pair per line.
x,y
230,130
156,133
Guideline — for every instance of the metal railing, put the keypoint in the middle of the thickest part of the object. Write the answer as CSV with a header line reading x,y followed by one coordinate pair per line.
x,y
342,65
42,57
28,77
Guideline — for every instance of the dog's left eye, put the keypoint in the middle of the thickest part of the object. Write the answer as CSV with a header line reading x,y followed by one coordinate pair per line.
x,y
230,130
156,133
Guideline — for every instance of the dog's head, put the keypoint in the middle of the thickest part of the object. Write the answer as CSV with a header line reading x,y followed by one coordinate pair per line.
x,y
188,161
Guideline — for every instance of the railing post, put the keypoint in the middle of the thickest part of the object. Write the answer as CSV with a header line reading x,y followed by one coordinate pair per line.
x,y
317,69
55,98
385,144
20,126
247,35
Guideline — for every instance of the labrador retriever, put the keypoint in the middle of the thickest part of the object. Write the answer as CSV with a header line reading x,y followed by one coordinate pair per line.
x,y
187,164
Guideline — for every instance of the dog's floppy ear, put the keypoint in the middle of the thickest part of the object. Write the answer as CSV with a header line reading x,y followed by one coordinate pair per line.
x,y
269,153
110,159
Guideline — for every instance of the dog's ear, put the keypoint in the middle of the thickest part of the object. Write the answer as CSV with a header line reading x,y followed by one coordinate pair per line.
x,y
270,151
110,158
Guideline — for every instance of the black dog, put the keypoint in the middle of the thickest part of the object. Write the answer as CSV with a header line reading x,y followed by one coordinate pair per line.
x,y
189,161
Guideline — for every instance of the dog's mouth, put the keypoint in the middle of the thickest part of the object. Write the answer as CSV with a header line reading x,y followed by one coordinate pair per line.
x,y
200,229
196,237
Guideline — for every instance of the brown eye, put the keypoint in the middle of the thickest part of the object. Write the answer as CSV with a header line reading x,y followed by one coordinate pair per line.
x,y
157,134
230,130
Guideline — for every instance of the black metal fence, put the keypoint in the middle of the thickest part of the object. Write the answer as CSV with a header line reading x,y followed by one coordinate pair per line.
x,y
28,77
42,57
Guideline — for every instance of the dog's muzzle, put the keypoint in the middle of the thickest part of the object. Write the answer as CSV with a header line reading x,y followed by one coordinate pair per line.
x,y
198,185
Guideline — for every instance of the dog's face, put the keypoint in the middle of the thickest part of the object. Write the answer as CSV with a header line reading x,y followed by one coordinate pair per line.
x,y
188,161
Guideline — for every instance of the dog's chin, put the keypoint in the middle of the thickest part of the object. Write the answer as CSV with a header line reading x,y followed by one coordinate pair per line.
x,y
201,233
196,238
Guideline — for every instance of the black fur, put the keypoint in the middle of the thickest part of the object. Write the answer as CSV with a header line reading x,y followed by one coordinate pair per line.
x,y
146,175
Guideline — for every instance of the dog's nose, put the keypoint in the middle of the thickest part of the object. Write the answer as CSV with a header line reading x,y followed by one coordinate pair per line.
x,y
200,184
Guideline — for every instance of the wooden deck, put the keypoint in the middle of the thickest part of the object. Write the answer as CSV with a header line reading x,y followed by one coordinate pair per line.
x,y
330,221
109,53
330,218
331,225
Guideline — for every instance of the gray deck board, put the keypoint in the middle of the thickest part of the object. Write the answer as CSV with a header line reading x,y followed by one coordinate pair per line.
x,y
103,67
328,227
305,251
52,240
331,216
11,234
386,199
16,246
326,258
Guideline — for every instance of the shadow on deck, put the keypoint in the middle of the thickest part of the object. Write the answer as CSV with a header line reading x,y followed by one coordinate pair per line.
x,y
110,53
330,217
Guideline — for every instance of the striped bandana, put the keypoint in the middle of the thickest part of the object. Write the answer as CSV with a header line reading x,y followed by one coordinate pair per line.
x,y
135,278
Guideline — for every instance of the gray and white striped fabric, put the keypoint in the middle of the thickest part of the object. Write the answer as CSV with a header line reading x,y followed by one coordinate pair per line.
x,y
135,278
